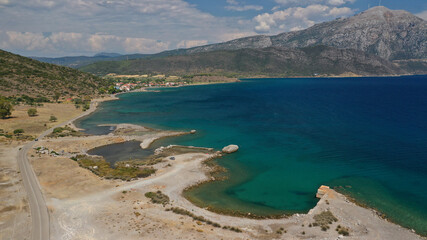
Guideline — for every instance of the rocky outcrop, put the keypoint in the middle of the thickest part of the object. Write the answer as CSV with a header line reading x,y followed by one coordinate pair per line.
x,y
322,191
230,149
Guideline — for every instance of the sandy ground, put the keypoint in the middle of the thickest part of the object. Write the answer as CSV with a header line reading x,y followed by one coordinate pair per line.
x,y
84,206
15,221
35,125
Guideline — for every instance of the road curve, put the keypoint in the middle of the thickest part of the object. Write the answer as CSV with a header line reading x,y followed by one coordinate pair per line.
x,y
39,214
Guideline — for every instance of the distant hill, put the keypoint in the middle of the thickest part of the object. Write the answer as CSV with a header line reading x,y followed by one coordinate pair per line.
x,y
270,61
21,75
392,35
105,54
79,61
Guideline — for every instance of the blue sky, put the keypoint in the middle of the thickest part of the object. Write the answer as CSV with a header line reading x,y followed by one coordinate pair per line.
x,y
85,27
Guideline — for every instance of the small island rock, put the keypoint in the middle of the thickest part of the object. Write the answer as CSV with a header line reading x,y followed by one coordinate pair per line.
x,y
230,149
322,191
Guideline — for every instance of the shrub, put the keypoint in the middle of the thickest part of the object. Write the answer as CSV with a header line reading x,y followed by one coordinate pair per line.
x,y
158,197
18,131
5,107
53,118
342,230
32,112
58,130
323,220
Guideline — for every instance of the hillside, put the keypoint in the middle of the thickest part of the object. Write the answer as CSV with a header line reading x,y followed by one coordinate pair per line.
x,y
80,61
21,75
390,34
249,62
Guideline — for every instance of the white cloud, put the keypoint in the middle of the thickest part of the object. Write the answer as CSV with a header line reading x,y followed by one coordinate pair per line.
x,y
234,5
244,8
311,2
230,36
232,2
338,12
297,18
422,15
146,26
191,43
339,2
76,42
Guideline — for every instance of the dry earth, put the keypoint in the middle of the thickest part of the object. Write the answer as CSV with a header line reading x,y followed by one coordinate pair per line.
x,y
15,221
84,206
35,125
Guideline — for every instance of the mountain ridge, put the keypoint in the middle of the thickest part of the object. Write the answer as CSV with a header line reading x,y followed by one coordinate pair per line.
x,y
272,61
390,34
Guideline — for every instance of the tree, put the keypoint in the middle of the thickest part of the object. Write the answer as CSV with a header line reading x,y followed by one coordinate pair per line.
x,y
56,96
53,118
18,131
5,107
32,112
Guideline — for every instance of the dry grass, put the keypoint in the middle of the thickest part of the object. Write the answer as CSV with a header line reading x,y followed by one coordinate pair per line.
x,y
324,219
36,125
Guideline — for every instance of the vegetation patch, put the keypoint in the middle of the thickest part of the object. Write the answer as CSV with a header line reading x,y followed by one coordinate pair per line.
x,y
158,197
65,132
43,81
324,219
102,168
5,107
342,230
184,212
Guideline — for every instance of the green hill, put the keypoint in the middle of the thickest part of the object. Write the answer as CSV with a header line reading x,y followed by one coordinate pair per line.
x,y
270,61
20,75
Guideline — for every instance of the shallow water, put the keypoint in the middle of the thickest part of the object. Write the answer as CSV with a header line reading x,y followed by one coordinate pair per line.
x,y
117,152
296,134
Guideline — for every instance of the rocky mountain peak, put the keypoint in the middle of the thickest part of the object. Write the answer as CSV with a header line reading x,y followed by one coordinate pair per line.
x,y
390,34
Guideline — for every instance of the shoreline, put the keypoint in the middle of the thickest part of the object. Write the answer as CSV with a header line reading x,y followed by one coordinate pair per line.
x,y
188,171
332,76
207,180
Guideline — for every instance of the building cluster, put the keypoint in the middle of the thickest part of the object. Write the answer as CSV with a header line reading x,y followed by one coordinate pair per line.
x,y
125,87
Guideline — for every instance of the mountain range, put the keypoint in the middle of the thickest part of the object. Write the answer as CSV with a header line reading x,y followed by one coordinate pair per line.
x,y
247,62
394,35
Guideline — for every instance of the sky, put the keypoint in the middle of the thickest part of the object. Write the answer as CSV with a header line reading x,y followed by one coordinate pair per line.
x,y
55,28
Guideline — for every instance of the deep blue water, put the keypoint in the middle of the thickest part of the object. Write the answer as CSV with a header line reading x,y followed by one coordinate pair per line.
x,y
296,134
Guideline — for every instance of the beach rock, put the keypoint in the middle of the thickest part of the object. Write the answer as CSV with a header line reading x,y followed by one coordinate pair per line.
x,y
322,191
193,131
159,150
230,149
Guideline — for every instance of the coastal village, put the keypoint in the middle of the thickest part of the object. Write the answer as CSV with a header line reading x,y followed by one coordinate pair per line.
x,y
126,83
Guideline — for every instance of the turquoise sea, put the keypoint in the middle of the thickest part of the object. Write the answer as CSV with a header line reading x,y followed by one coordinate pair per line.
x,y
368,135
